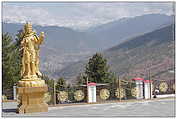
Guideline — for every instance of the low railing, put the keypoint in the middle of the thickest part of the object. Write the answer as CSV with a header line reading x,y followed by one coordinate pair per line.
x,y
122,90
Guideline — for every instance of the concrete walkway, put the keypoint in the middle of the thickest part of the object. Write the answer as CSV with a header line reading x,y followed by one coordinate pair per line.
x,y
145,108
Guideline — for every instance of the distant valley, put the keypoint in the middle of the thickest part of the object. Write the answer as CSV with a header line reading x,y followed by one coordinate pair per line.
x,y
153,51
65,51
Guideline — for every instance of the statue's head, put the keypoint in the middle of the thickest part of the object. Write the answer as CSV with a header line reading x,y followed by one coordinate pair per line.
x,y
28,28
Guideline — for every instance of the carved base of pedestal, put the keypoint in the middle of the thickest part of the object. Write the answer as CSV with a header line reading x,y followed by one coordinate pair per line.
x,y
32,82
31,99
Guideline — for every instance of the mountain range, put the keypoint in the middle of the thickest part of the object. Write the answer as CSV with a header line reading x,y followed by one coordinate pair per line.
x,y
150,52
64,47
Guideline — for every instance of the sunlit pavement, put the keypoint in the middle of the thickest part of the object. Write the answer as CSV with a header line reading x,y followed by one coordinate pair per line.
x,y
149,108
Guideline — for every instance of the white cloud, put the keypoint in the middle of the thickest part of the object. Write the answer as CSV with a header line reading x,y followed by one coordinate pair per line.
x,y
20,14
79,15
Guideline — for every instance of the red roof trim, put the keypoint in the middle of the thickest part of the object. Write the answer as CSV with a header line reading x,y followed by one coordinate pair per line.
x,y
138,79
147,81
91,84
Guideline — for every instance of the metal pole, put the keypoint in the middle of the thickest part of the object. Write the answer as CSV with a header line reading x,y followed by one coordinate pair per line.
x,y
119,88
54,93
87,90
150,84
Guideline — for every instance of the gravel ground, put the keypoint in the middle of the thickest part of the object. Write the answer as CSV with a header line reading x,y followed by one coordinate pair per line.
x,y
148,108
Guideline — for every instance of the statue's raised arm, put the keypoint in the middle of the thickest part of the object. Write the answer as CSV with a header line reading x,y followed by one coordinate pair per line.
x,y
41,38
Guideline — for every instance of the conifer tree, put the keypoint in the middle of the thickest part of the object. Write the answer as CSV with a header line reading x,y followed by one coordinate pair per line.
x,y
81,79
97,69
61,84
10,64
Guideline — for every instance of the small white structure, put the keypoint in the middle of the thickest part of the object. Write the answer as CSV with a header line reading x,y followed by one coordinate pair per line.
x,y
139,87
14,92
147,89
91,88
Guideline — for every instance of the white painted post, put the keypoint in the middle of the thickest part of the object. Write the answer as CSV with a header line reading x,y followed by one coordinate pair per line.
x,y
147,90
139,86
14,92
91,92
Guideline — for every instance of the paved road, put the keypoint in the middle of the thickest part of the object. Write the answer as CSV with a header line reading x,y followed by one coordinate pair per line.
x,y
162,108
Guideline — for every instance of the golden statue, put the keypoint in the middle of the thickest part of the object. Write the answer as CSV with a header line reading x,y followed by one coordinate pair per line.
x,y
31,88
30,57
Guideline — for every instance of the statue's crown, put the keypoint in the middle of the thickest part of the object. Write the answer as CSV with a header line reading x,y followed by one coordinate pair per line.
x,y
28,25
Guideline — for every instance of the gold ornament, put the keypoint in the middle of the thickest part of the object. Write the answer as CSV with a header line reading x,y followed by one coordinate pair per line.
x,y
163,87
122,93
79,95
37,82
104,94
62,96
47,97
134,91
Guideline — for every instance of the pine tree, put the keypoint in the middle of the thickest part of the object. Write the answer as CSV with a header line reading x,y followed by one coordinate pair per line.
x,y
10,64
48,81
61,84
81,79
97,69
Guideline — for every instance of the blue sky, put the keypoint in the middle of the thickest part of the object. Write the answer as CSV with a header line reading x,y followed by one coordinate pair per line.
x,y
79,15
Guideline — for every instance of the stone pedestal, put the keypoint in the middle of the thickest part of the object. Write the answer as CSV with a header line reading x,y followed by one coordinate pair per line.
x,y
31,99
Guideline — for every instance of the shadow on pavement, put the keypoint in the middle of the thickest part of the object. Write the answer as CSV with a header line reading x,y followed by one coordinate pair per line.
x,y
9,110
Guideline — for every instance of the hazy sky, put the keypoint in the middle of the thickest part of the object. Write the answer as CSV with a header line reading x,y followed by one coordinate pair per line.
x,y
79,15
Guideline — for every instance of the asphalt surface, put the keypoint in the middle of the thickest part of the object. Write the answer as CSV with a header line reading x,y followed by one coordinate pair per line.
x,y
148,108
